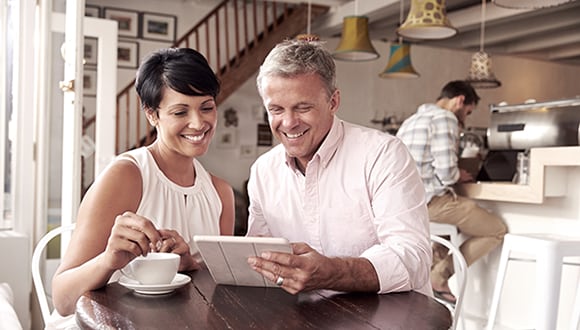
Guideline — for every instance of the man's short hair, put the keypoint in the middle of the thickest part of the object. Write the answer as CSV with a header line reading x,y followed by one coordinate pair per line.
x,y
459,87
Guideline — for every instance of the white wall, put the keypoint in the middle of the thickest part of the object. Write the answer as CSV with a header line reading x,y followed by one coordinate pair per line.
x,y
365,96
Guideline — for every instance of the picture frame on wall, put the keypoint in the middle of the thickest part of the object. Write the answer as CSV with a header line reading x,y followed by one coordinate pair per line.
x,y
128,21
92,11
90,51
227,138
127,54
90,83
158,27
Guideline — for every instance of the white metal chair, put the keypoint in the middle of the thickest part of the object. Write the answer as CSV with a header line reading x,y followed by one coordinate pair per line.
x,y
461,276
549,252
43,301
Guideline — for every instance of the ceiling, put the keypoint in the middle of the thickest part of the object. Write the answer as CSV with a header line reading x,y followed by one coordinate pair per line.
x,y
551,34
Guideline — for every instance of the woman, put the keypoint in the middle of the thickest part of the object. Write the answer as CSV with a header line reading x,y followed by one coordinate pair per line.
x,y
153,198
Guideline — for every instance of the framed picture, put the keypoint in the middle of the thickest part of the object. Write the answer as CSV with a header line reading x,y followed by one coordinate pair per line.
x,y
227,138
128,21
90,83
90,51
264,135
127,54
92,11
158,27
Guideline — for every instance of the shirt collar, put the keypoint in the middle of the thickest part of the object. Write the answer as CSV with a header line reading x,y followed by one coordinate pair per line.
x,y
328,147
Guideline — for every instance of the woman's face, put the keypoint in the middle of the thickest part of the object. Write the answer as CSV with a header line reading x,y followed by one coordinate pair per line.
x,y
185,124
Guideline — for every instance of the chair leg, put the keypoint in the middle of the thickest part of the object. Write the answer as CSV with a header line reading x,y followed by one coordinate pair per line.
x,y
548,279
575,320
501,272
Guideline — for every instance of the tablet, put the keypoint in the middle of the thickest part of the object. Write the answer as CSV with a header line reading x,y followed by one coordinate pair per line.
x,y
226,257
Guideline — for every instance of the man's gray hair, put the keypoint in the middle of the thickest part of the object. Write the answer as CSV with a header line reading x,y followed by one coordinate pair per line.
x,y
296,57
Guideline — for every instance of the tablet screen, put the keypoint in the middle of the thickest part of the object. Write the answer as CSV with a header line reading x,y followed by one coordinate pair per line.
x,y
226,257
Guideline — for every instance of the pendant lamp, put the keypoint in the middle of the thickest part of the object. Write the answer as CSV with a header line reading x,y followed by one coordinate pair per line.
x,y
399,65
427,19
355,43
308,36
529,4
480,73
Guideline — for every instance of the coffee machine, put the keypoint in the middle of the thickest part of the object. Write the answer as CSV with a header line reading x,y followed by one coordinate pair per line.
x,y
515,129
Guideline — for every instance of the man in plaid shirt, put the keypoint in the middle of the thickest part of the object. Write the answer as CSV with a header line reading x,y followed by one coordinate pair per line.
x,y
432,137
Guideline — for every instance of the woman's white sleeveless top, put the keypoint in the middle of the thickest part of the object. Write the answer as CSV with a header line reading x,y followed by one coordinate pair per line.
x,y
193,210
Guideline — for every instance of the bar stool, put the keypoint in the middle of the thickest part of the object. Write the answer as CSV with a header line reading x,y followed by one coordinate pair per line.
x,y
455,238
549,251
444,229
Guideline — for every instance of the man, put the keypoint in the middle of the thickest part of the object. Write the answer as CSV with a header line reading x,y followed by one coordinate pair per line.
x,y
350,195
432,136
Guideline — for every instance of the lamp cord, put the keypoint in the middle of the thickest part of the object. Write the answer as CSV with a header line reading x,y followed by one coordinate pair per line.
x,y
401,9
309,14
482,25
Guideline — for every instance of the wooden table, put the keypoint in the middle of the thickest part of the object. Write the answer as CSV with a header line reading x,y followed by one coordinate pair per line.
x,y
202,304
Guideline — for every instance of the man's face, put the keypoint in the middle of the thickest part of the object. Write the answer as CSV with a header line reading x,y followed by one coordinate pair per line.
x,y
463,110
300,112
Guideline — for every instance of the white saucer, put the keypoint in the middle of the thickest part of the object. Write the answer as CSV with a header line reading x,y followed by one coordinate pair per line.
x,y
149,289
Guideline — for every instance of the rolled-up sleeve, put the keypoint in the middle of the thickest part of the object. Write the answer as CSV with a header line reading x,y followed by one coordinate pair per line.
x,y
403,256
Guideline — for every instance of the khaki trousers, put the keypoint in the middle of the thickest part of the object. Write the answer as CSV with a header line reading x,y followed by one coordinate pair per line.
x,y
485,231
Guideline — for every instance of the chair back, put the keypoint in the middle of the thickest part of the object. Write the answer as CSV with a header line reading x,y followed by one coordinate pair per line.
x,y
461,274
43,301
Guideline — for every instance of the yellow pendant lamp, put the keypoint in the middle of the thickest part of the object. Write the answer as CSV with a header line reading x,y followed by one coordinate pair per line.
x,y
355,43
428,20
399,65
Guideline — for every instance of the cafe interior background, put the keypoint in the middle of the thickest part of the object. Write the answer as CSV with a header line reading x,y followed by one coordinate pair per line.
x,y
36,197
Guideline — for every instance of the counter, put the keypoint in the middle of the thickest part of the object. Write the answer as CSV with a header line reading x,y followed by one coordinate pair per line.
x,y
549,203
547,178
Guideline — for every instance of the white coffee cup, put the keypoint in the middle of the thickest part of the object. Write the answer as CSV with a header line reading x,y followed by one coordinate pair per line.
x,y
156,268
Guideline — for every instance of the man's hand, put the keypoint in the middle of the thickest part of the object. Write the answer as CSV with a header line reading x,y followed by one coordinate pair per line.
x,y
307,270
465,176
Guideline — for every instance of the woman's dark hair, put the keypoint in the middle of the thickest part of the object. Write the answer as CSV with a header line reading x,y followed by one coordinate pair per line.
x,y
459,87
183,70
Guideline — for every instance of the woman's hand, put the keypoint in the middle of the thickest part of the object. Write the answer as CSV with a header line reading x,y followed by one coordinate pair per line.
x,y
173,242
131,236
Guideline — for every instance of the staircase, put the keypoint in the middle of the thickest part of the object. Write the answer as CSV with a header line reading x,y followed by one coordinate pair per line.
x,y
235,37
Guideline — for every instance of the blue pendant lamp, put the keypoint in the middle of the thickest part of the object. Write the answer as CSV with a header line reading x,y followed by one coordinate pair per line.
x,y
399,65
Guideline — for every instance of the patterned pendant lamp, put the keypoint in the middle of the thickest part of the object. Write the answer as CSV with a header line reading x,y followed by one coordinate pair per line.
x,y
428,20
480,73
308,36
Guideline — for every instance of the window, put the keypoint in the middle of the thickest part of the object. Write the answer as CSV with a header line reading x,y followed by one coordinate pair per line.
x,y
8,22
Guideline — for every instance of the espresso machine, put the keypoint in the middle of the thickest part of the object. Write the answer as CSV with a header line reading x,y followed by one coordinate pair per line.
x,y
514,129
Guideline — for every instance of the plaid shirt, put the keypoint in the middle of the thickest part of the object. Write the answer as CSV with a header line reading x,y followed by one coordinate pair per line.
x,y
432,137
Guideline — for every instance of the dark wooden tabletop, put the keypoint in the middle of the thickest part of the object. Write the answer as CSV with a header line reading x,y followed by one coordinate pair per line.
x,y
202,304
